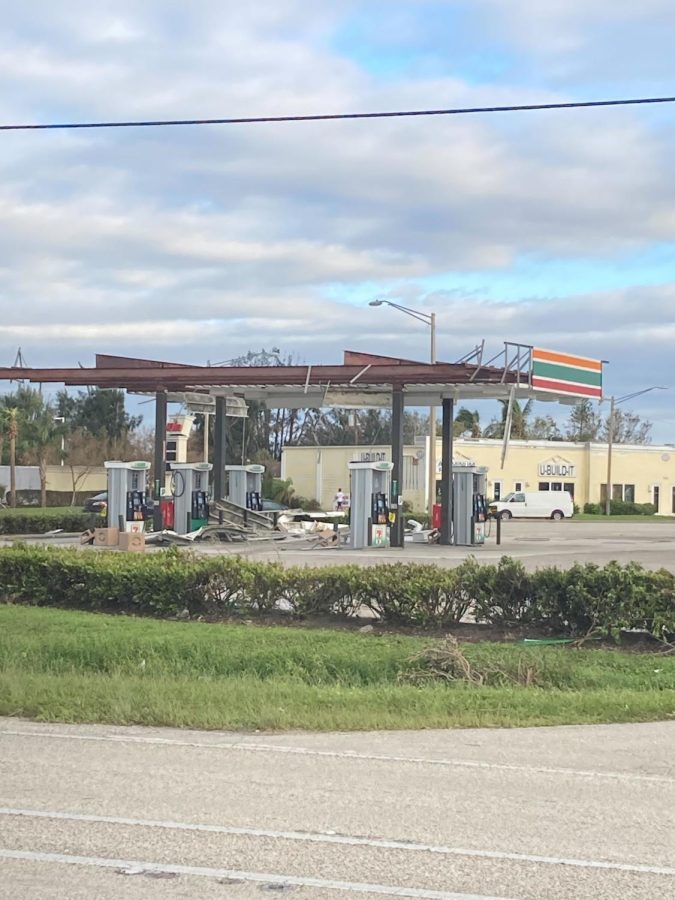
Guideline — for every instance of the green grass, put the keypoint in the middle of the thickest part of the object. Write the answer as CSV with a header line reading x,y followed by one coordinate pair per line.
x,y
82,667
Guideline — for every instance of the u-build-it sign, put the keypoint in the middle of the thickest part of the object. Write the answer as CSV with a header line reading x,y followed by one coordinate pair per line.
x,y
557,470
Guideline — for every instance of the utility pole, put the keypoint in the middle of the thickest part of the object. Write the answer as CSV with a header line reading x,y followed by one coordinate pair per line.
x,y
610,444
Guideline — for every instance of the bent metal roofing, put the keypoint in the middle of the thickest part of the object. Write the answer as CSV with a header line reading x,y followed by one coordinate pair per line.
x,y
363,379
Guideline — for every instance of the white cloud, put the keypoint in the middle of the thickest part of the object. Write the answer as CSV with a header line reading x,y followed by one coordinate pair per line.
x,y
205,242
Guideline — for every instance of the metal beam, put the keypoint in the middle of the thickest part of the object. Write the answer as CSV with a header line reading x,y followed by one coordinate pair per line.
x,y
446,472
397,459
219,444
160,456
165,377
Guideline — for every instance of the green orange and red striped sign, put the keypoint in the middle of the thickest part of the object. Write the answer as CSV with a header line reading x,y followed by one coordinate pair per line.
x,y
561,373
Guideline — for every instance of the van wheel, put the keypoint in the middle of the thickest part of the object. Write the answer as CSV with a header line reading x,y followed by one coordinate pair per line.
x,y
557,514
505,514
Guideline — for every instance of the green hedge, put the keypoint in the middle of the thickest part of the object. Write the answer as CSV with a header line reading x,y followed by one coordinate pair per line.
x,y
573,602
621,508
41,521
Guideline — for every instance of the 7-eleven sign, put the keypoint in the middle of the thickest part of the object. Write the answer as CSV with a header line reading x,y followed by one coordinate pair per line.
x,y
561,373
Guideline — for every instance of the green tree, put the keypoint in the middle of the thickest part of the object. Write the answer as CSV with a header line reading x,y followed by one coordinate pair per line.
x,y
583,423
468,420
544,428
629,428
520,421
586,424
34,434
99,411
43,435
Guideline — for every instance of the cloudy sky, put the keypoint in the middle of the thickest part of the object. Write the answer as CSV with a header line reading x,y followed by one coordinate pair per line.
x,y
552,228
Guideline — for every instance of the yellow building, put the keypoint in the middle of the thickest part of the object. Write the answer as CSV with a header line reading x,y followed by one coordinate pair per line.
x,y
640,473
63,482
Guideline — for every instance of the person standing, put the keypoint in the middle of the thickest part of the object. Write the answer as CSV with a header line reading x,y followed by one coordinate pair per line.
x,y
339,500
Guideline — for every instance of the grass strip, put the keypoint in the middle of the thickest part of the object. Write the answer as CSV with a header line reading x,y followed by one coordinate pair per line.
x,y
82,667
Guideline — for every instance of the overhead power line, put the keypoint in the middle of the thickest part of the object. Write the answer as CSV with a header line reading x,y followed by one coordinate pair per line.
x,y
328,117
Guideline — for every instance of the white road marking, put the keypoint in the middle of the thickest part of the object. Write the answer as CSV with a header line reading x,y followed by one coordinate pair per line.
x,y
322,837
251,747
259,877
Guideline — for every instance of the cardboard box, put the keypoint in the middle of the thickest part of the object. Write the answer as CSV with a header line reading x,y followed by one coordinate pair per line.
x,y
132,542
106,537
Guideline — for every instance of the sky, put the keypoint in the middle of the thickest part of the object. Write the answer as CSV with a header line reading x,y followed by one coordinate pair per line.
x,y
199,244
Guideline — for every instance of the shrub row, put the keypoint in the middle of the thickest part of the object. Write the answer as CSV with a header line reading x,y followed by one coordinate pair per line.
x,y
565,602
621,508
33,522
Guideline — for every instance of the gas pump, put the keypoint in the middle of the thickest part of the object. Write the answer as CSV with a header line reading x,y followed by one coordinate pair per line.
x,y
480,512
190,489
244,486
127,505
370,513
469,507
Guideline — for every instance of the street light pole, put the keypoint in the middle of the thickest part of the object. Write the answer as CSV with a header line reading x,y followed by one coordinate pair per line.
x,y
430,320
62,420
610,437
432,429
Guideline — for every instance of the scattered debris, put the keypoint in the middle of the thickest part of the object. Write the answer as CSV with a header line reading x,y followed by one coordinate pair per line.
x,y
149,873
366,629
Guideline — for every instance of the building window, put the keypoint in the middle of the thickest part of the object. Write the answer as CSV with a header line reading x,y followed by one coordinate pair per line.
x,y
674,499
625,492
656,496
518,486
544,486
556,485
497,490
569,487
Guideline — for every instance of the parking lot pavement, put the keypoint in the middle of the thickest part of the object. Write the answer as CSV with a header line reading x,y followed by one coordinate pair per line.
x,y
109,812
536,543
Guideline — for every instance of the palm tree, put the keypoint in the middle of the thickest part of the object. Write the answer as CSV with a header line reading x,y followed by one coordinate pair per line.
x,y
520,424
42,432
468,420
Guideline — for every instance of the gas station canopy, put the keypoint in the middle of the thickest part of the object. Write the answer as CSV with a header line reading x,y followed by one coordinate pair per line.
x,y
363,380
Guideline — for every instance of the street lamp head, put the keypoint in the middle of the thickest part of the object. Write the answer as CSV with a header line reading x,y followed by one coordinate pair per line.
x,y
376,303
655,387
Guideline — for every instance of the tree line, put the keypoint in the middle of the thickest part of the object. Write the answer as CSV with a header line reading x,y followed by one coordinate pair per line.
x,y
78,430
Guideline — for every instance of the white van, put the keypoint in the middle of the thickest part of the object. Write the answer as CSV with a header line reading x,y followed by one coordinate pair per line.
x,y
534,505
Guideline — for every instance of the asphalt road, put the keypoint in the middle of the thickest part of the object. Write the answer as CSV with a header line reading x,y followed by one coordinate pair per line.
x,y
108,812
